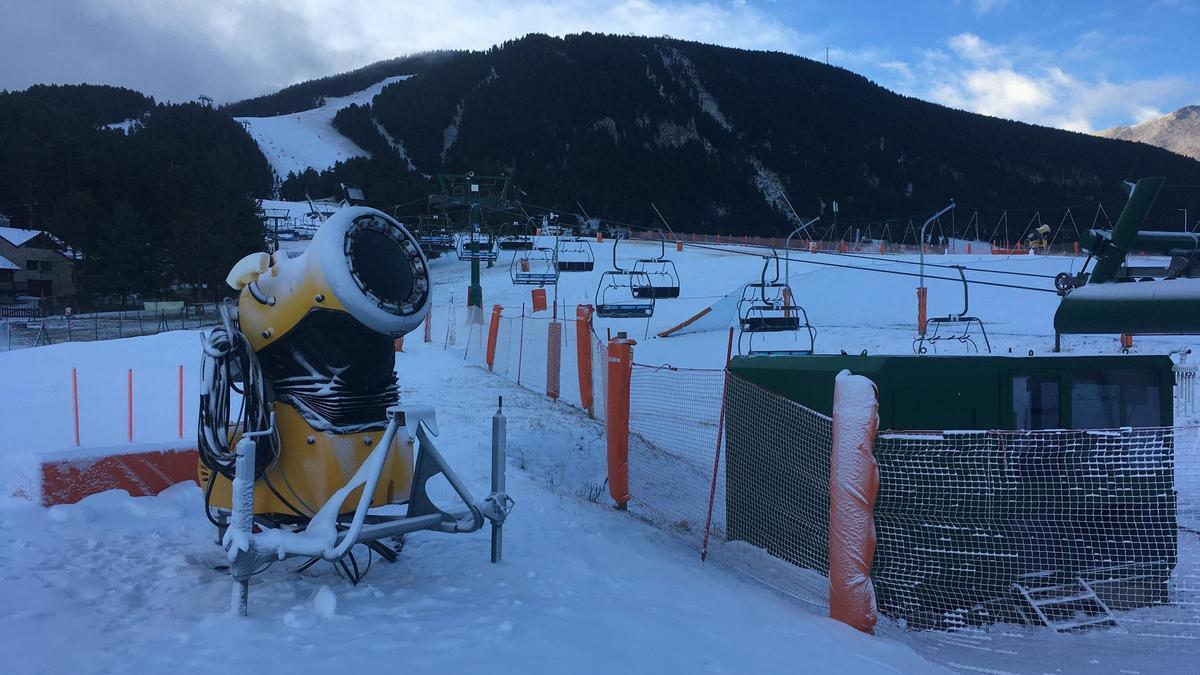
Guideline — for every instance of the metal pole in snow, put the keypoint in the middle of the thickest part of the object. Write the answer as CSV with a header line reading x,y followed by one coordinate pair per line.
x,y
499,446
75,402
181,400
129,398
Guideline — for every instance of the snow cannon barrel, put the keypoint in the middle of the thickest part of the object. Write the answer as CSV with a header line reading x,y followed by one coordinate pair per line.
x,y
361,263
322,327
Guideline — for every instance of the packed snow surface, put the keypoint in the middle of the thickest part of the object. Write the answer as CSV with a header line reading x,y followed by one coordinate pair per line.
x,y
121,584
133,581
295,142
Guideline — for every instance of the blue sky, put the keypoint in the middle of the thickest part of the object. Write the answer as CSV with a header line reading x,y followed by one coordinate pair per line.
x,y
1075,65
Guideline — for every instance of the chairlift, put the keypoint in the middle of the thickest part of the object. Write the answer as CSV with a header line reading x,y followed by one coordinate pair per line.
x,y
538,267
615,295
477,246
518,240
770,307
664,278
958,326
575,255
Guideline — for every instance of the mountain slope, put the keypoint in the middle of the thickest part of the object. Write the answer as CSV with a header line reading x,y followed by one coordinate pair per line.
x,y
1178,132
295,142
716,136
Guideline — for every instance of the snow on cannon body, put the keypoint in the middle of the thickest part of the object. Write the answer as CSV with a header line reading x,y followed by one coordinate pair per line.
x,y
321,457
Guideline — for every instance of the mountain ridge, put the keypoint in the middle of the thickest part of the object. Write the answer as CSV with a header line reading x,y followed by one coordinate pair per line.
x,y
1177,131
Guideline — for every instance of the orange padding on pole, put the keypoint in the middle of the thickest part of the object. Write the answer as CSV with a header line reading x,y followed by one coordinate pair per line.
x,y
429,325
620,373
853,487
922,296
539,299
583,355
493,332
553,359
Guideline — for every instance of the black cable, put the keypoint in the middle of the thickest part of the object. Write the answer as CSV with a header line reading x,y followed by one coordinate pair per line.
x,y
881,271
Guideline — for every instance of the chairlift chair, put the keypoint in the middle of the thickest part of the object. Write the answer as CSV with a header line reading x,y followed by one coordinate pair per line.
x,y
575,255
664,278
537,267
958,326
521,239
770,307
477,246
615,294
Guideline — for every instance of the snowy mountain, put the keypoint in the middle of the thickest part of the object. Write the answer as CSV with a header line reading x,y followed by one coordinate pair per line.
x,y
1178,132
295,142
714,136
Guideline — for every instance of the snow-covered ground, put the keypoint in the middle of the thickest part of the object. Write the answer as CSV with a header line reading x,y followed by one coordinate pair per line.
x,y
294,142
582,588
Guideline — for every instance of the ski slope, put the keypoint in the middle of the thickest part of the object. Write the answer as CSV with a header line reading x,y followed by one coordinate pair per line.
x,y
295,142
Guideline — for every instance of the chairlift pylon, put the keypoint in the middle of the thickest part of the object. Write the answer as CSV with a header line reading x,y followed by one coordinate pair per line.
x,y
770,307
661,273
615,295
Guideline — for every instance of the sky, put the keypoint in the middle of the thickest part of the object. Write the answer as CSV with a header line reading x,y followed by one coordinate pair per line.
x,y
1075,65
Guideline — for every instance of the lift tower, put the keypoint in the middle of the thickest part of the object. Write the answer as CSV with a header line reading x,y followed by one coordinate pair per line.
x,y
474,194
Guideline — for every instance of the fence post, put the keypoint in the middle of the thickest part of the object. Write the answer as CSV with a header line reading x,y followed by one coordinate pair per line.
x,y
922,296
181,400
493,333
521,345
853,486
429,324
583,356
130,399
620,373
75,402
712,490
553,359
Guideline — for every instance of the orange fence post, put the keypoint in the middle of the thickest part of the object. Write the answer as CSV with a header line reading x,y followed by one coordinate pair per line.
x,y
521,345
129,398
620,373
1076,248
398,344
853,486
922,296
75,402
539,299
679,246
881,251
599,237
429,325
553,359
493,333
1126,340
181,400
841,246
583,356
968,248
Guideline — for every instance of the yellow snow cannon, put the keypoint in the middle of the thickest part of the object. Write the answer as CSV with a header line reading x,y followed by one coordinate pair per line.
x,y
322,439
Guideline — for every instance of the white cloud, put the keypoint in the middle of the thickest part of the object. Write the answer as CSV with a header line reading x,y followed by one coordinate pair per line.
x,y
1017,81
179,48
